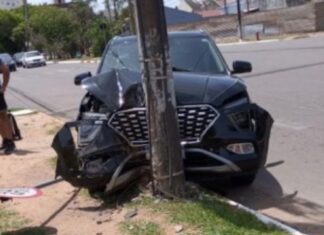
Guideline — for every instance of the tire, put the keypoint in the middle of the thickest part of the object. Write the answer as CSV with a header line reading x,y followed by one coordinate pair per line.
x,y
243,180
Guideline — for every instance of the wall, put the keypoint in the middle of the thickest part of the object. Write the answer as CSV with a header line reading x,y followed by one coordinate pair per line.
x,y
272,22
319,15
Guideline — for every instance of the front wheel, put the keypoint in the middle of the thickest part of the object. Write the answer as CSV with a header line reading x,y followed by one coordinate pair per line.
x,y
243,180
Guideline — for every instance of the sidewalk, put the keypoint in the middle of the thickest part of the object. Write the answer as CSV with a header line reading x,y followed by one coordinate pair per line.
x,y
86,61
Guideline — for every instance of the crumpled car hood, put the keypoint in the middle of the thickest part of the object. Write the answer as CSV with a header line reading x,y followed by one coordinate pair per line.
x,y
123,88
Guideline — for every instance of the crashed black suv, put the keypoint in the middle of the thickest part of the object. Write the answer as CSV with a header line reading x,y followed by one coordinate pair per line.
x,y
222,131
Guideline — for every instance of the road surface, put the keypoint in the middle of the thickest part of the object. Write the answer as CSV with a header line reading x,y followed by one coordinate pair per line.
x,y
287,80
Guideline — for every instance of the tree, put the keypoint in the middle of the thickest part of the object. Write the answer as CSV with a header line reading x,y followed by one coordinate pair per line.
x,y
84,17
51,30
99,34
8,22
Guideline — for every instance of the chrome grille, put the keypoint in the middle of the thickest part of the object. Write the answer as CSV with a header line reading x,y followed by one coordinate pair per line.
x,y
194,121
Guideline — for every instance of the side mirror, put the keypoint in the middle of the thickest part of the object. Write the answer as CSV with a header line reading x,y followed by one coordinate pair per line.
x,y
241,67
78,79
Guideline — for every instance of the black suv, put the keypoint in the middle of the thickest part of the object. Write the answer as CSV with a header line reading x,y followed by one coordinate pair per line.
x,y
222,132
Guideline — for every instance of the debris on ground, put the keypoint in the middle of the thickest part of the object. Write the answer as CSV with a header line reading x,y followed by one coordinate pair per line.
x,y
130,214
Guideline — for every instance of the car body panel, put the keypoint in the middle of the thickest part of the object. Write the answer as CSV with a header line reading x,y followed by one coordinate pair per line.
x,y
216,106
9,61
32,59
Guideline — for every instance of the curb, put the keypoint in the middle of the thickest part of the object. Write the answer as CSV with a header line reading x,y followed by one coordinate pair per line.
x,y
23,112
74,62
264,218
247,42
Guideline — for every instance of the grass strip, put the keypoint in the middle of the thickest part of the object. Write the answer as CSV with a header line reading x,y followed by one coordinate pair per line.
x,y
209,215
139,227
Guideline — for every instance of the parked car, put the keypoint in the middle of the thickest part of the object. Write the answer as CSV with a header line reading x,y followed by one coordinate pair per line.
x,y
222,131
32,59
18,58
9,61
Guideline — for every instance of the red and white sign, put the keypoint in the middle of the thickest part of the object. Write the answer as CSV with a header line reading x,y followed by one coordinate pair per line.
x,y
19,192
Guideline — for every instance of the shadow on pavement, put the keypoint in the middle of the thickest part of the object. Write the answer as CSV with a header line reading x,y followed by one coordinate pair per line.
x,y
33,231
267,195
284,70
61,208
22,152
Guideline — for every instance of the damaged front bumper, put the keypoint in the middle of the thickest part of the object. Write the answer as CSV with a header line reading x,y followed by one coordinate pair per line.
x,y
91,154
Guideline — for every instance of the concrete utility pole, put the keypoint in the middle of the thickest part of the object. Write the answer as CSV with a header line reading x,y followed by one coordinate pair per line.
x,y
131,16
165,149
248,5
239,16
115,9
26,25
108,10
225,7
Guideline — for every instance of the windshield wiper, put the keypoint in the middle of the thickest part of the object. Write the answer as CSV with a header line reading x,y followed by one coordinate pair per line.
x,y
177,69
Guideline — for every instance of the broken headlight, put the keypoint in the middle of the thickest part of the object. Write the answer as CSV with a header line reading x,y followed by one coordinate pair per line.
x,y
241,120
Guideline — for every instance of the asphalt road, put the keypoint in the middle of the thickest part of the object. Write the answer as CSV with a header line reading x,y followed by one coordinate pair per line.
x,y
287,80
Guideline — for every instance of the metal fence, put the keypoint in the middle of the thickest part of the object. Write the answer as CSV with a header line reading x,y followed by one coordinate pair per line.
x,y
260,19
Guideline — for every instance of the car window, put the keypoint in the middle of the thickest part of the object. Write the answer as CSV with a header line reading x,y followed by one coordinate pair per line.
x,y
192,54
18,55
32,54
121,55
5,57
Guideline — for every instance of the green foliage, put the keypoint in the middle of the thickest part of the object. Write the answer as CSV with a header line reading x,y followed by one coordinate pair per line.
x,y
9,220
99,35
8,22
58,32
51,30
208,215
141,228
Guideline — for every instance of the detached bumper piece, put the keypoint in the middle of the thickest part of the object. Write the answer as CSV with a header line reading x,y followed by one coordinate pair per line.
x,y
102,162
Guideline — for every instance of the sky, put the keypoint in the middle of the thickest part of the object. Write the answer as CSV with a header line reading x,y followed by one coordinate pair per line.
x,y
100,5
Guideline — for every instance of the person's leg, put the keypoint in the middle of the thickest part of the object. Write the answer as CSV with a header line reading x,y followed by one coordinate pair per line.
x,y
6,131
5,127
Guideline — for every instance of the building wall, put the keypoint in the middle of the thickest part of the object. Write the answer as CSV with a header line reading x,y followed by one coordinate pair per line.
x,y
10,4
183,6
272,22
59,1
319,15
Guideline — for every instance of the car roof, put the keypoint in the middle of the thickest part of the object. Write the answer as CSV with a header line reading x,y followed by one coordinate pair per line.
x,y
193,33
31,52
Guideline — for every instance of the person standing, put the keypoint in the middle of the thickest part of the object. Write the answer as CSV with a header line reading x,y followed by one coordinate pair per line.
x,y
8,144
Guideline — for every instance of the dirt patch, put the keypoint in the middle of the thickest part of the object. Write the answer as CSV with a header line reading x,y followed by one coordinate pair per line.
x,y
61,209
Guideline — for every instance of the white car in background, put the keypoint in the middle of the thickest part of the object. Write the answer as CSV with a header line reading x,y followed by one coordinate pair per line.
x,y
32,59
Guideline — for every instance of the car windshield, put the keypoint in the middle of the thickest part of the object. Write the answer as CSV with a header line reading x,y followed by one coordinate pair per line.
x,y
18,55
32,54
5,57
197,54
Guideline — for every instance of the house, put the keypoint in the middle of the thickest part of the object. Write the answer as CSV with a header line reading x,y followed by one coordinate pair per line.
x,y
58,2
175,16
211,13
10,4
198,5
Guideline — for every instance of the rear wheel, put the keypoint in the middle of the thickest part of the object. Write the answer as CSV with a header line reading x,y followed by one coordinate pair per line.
x,y
243,180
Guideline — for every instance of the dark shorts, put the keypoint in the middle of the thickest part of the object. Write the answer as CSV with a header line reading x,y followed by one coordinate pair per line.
x,y
3,104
